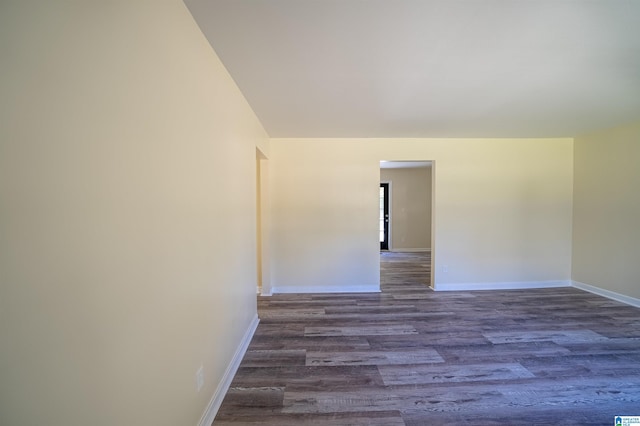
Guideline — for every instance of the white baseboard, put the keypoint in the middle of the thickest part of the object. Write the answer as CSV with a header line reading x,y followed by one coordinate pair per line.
x,y
327,289
223,386
265,290
409,250
516,285
607,293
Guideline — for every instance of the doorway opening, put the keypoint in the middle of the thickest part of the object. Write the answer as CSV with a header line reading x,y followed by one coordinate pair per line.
x,y
263,281
406,206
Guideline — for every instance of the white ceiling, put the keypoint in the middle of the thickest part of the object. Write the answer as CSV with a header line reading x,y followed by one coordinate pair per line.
x,y
430,68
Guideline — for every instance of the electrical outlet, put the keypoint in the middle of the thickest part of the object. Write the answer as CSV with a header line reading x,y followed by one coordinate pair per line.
x,y
445,269
200,378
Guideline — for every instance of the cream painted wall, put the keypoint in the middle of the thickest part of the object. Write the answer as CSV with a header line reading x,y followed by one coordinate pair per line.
x,y
322,223
127,214
503,210
606,231
410,207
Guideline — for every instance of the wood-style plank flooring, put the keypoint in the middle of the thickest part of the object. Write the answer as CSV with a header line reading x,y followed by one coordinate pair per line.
x,y
412,356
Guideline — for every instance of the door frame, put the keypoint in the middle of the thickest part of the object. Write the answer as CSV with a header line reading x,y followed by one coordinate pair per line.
x,y
263,244
434,177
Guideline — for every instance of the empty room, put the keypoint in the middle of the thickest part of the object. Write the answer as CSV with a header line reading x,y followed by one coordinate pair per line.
x,y
336,212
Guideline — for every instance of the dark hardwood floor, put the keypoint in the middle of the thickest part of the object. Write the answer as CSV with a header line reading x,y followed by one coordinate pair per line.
x,y
411,356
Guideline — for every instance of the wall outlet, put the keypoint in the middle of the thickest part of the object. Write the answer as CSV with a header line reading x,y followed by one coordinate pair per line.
x,y
445,269
200,378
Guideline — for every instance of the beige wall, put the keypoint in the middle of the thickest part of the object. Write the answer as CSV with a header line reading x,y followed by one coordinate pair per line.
x,y
322,219
127,215
410,207
606,230
502,209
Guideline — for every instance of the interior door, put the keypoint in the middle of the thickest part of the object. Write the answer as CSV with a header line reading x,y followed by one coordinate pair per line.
x,y
384,216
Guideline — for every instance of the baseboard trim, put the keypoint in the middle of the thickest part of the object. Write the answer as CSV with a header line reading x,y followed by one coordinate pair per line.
x,y
327,289
223,386
409,250
607,293
516,285
265,291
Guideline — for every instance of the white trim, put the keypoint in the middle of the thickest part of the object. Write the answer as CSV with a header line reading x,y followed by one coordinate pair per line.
x,y
223,386
265,291
410,250
516,285
607,293
328,289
